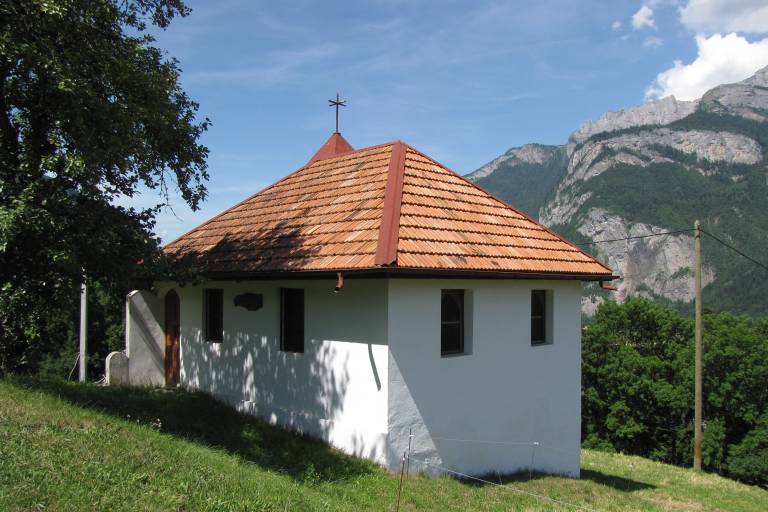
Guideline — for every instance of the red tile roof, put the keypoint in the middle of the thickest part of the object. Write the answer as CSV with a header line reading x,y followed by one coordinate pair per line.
x,y
386,208
336,145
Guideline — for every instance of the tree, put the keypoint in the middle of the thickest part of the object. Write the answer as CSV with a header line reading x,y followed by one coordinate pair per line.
x,y
91,112
637,384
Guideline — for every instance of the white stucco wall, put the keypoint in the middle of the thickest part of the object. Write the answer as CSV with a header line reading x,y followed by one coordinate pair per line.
x,y
476,413
336,390
469,412
144,339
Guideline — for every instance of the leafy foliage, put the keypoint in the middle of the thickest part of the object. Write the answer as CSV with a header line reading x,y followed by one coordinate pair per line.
x,y
638,376
91,114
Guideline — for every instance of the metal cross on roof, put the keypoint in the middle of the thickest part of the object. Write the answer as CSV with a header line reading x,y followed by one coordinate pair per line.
x,y
338,102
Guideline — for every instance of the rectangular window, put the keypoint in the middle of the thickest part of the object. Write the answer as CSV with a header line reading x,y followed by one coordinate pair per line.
x,y
292,319
539,323
452,322
213,314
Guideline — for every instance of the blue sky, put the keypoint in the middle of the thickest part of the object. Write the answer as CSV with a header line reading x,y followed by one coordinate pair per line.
x,y
461,80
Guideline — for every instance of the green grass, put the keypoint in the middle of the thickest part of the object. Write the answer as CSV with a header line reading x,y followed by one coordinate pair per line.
x,y
81,447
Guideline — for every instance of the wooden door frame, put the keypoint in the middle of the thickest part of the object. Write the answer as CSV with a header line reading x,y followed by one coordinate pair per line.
x,y
172,355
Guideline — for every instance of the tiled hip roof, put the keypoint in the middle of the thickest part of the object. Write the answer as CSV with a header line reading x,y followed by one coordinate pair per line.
x,y
387,207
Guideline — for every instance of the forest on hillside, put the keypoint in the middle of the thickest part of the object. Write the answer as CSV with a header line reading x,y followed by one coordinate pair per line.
x,y
638,387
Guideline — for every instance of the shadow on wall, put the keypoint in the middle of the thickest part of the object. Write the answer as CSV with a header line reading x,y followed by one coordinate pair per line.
x,y
198,418
145,341
303,392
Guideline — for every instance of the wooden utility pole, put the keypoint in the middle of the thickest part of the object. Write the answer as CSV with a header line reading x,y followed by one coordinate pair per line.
x,y
83,332
697,413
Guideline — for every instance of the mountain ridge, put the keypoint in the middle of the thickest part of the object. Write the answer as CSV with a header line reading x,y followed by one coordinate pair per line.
x,y
654,168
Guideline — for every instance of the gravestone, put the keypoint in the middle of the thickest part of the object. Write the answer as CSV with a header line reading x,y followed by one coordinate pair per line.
x,y
117,369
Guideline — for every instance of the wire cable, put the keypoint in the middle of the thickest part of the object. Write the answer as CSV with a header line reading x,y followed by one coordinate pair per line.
x,y
523,443
750,258
507,487
77,358
638,237
538,444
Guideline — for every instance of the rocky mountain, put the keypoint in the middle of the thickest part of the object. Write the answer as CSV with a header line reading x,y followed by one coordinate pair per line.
x,y
535,169
651,169
663,111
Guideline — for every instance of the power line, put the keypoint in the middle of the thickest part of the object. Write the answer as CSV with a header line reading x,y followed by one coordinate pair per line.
x,y
637,237
750,258
726,244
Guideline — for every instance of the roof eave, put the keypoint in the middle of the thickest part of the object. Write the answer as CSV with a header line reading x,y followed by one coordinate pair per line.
x,y
406,272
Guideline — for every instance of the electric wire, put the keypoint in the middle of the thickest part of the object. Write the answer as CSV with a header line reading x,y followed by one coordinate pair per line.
x,y
726,244
637,237
750,258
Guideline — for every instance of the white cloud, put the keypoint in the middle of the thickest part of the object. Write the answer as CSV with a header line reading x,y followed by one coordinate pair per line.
x,y
653,42
643,18
711,16
721,59
616,26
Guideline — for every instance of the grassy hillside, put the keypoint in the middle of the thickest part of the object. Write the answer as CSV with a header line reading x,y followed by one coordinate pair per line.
x,y
81,447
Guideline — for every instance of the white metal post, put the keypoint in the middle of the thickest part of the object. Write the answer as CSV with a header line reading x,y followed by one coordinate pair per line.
x,y
83,332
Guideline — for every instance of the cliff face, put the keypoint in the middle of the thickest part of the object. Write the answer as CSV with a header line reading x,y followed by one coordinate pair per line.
x,y
593,157
658,112
524,176
656,168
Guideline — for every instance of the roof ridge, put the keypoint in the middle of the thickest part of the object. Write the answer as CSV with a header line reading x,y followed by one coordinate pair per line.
x,y
368,148
525,215
386,250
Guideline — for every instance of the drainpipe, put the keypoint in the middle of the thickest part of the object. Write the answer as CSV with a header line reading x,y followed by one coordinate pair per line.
x,y
339,282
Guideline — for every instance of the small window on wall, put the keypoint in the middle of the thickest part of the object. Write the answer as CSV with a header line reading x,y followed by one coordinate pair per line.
x,y
213,314
292,319
452,322
541,317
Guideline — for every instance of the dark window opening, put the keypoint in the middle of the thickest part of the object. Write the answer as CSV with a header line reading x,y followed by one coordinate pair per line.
x,y
292,319
452,322
538,317
213,314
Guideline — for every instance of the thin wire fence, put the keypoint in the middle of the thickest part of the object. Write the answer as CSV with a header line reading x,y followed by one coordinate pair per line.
x,y
534,445
506,487
537,444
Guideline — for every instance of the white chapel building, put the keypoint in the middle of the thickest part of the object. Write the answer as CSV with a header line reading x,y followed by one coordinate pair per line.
x,y
374,293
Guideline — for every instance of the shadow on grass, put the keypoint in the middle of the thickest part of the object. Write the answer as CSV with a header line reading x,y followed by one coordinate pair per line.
x,y
616,482
199,418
